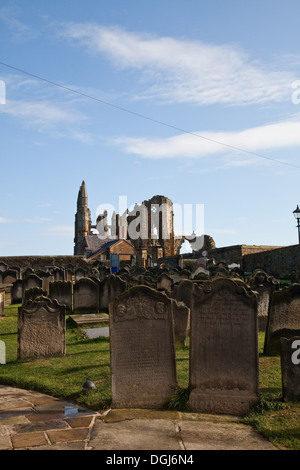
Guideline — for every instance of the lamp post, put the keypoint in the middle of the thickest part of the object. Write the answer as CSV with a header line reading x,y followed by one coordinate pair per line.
x,y
296,213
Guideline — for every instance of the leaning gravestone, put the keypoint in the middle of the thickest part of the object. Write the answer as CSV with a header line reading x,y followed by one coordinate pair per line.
x,y
109,288
85,296
143,368
284,318
16,292
223,348
290,368
62,292
41,329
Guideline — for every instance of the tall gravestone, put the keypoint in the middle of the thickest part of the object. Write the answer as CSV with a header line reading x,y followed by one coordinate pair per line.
x,y
283,319
62,292
264,285
181,317
109,288
223,348
143,368
290,368
41,329
85,296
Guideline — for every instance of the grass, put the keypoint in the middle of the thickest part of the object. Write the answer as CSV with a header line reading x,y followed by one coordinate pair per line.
x,y
89,359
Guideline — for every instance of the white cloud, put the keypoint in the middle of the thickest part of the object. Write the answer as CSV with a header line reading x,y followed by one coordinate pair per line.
x,y
257,139
186,71
4,220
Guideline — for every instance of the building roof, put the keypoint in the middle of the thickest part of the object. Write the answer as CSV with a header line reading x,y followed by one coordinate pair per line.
x,y
106,245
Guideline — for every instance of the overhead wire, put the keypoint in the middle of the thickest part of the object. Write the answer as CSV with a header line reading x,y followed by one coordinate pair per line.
x,y
134,113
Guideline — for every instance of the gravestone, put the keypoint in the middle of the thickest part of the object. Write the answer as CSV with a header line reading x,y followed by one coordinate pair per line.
x,y
109,288
290,368
264,285
16,292
181,318
27,271
182,292
283,319
79,274
164,282
223,348
33,294
41,329
9,276
31,281
2,302
143,368
3,267
85,296
62,292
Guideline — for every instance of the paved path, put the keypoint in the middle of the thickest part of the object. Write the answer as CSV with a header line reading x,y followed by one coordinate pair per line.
x,y
31,420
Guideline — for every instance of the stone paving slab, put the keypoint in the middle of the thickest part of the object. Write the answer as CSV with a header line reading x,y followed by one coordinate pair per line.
x,y
52,424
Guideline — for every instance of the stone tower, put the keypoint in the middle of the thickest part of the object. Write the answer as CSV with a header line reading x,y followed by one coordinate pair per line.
x,y
82,220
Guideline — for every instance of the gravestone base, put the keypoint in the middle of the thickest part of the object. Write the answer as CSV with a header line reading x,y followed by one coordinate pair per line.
x,y
151,401
221,402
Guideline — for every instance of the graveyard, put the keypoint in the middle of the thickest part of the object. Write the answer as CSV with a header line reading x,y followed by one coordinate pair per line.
x,y
212,341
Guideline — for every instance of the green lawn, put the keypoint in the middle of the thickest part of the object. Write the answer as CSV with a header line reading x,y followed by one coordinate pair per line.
x,y
89,359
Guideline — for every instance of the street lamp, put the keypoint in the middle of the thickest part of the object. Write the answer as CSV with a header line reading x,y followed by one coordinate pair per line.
x,y
296,213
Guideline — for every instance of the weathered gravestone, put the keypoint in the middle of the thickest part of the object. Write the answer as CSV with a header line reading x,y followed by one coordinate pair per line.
x,y
62,292
32,294
181,318
85,296
143,368
109,288
16,292
2,302
223,348
41,329
31,281
290,368
283,319
264,285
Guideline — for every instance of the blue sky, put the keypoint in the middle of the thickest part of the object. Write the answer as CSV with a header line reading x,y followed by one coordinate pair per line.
x,y
195,100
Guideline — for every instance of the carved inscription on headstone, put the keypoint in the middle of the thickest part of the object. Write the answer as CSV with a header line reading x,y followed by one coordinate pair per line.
x,y
223,348
143,368
41,329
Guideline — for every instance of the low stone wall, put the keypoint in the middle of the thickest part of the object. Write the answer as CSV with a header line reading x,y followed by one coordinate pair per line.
x,y
39,262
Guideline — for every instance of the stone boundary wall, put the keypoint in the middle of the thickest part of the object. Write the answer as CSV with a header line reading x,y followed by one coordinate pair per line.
x,y
236,253
280,262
